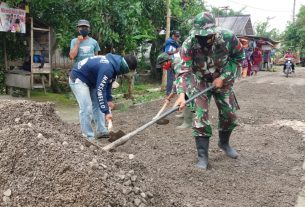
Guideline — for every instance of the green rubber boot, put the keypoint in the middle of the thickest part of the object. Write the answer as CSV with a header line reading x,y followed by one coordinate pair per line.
x,y
187,119
202,145
224,137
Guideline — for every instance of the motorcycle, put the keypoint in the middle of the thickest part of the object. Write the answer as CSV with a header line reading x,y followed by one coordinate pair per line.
x,y
288,69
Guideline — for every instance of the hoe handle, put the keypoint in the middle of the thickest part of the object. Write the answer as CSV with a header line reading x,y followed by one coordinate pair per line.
x,y
161,110
110,126
125,138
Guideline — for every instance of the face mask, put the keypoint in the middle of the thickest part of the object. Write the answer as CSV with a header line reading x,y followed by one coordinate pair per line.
x,y
167,65
205,41
84,32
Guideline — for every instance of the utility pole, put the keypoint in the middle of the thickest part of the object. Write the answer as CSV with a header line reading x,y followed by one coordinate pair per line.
x,y
168,18
293,12
5,53
168,28
226,8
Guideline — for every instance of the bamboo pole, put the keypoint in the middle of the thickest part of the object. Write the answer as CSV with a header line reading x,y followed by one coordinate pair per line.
x,y
50,57
32,52
293,12
130,79
5,52
168,27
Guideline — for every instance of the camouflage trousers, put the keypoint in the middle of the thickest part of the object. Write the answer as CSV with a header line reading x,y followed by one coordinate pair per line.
x,y
226,103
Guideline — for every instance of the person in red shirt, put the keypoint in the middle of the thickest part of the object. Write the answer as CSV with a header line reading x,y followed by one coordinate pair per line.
x,y
289,55
256,60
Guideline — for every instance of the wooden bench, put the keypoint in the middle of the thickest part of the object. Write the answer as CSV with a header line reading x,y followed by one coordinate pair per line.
x,y
18,78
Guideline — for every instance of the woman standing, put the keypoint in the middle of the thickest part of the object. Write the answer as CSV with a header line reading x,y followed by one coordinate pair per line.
x,y
256,60
245,62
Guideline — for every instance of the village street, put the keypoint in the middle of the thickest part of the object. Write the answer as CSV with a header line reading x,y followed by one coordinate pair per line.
x,y
50,168
270,141
82,82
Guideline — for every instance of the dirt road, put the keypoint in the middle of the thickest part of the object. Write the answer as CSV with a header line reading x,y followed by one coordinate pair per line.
x,y
269,169
157,167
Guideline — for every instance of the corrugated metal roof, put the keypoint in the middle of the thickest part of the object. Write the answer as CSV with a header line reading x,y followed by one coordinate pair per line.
x,y
240,25
273,42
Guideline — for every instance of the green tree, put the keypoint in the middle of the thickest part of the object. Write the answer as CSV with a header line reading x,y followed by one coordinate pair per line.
x,y
295,32
120,25
224,12
181,14
262,30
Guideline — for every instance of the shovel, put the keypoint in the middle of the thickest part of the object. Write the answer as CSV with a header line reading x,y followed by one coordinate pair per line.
x,y
162,121
126,137
112,134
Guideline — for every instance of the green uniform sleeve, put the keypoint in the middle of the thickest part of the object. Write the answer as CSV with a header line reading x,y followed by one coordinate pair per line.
x,y
184,68
236,56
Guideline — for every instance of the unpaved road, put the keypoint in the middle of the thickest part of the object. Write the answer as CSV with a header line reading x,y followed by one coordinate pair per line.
x,y
269,169
270,141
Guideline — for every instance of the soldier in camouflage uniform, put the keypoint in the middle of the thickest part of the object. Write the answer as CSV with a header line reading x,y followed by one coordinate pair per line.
x,y
210,55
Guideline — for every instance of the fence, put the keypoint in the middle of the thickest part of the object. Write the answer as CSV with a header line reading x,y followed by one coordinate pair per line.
x,y
61,62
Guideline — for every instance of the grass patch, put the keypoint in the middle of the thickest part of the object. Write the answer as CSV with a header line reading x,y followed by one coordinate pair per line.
x,y
141,95
139,88
149,96
123,108
66,99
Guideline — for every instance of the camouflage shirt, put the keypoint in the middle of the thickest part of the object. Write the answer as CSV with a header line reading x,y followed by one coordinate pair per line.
x,y
221,60
176,65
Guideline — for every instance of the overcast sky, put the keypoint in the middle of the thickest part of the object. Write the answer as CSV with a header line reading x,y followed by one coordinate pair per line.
x,y
279,10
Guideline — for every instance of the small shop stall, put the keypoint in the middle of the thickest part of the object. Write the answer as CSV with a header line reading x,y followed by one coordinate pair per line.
x,y
33,70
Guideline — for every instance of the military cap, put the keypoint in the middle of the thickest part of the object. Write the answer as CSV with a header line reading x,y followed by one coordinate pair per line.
x,y
163,57
203,24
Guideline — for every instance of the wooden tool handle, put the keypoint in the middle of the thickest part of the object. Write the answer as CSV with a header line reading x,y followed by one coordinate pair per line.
x,y
110,126
161,110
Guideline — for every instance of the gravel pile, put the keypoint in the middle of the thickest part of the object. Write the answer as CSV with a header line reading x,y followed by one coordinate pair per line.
x,y
44,162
